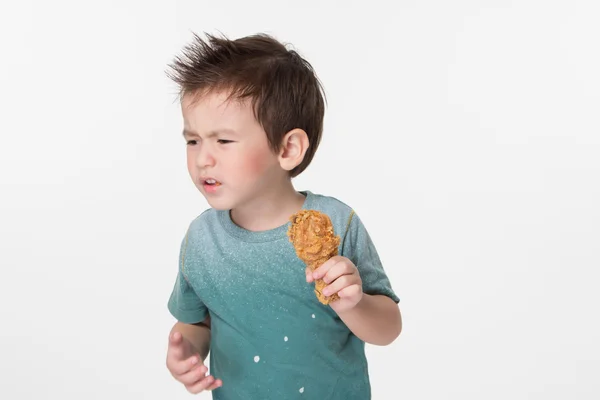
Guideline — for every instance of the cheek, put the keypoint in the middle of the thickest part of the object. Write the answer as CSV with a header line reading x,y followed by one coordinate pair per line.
x,y
256,162
191,163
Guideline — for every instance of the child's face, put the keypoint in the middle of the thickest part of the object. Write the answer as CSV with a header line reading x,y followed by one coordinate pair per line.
x,y
228,155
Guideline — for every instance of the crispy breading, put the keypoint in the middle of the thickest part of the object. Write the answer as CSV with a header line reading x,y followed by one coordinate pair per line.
x,y
315,242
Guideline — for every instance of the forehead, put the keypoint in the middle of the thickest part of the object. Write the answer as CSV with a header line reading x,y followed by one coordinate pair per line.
x,y
214,112
215,107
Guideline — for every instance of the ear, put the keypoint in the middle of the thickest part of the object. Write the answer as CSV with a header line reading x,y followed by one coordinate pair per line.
x,y
293,148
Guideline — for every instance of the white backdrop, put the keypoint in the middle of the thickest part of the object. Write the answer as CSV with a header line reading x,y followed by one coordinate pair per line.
x,y
465,134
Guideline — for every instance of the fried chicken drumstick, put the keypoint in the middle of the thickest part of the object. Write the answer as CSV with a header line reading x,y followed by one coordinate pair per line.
x,y
315,242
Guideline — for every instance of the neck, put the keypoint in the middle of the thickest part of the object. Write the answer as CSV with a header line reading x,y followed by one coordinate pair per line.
x,y
271,210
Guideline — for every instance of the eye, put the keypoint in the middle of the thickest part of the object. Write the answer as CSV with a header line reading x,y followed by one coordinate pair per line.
x,y
223,141
191,142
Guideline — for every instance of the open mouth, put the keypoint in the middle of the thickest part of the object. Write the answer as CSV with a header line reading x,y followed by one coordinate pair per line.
x,y
212,182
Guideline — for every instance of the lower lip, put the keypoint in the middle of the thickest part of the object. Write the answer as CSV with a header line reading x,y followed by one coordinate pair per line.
x,y
210,188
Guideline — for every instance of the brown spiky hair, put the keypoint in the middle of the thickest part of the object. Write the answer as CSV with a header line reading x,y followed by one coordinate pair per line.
x,y
283,88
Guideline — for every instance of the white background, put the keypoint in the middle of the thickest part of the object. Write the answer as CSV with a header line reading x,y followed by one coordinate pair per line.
x,y
466,135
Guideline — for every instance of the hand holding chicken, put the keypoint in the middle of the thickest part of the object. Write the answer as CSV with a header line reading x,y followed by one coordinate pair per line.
x,y
316,244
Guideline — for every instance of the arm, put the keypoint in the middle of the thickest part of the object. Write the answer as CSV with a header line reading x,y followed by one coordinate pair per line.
x,y
375,319
197,334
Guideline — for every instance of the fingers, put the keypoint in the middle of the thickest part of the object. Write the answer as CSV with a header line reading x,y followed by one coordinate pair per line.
x,y
340,275
206,383
189,371
217,384
327,265
342,283
181,367
177,363
309,275
196,380
193,376
350,291
340,268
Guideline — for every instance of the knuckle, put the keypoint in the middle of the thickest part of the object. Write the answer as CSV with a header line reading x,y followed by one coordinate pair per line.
x,y
349,290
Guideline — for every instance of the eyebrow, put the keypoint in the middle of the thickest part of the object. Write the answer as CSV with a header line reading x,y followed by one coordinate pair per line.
x,y
216,132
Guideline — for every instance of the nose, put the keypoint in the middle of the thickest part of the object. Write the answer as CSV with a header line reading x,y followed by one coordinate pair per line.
x,y
205,157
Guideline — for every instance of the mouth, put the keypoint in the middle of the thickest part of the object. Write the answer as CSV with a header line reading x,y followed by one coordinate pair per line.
x,y
210,185
211,182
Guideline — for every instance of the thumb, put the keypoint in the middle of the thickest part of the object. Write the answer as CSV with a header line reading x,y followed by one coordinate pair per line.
x,y
176,345
175,338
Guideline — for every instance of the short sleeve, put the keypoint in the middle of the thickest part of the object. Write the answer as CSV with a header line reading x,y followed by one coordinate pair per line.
x,y
184,304
360,249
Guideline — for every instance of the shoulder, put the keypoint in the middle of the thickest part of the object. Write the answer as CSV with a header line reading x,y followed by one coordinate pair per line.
x,y
203,223
330,203
204,218
340,213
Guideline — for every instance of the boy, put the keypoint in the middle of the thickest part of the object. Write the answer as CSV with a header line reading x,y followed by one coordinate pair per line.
x,y
253,118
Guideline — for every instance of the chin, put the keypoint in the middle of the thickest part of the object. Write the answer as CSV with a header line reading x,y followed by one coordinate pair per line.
x,y
219,207
218,204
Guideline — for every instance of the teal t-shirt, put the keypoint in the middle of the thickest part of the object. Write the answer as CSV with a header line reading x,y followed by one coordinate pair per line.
x,y
270,336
